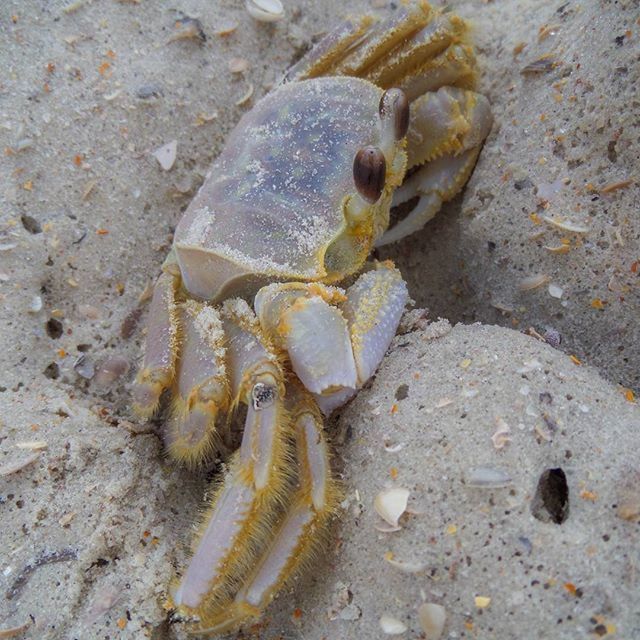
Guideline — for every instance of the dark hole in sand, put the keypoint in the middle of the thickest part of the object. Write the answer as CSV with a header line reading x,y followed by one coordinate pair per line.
x,y
551,501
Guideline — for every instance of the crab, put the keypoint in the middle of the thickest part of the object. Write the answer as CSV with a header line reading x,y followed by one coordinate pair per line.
x,y
267,311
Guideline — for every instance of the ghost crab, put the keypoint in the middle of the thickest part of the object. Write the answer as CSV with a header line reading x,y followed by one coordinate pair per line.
x,y
289,211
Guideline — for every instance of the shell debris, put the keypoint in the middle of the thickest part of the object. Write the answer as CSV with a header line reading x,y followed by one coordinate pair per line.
x,y
482,602
238,65
226,28
405,567
488,478
501,438
265,10
555,291
392,626
14,631
432,618
566,225
32,445
390,504
245,97
533,282
14,467
166,154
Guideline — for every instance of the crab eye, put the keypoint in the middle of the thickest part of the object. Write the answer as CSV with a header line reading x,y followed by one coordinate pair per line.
x,y
369,172
394,104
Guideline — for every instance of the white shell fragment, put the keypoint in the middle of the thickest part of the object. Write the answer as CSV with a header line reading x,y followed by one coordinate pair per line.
x,y
35,305
390,504
405,567
14,467
555,291
488,478
166,154
265,10
246,96
32,445
566,225
501,438
432,618
392,626
533,282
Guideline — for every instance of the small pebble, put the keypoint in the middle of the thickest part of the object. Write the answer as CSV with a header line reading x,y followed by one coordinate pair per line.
x,y
110,369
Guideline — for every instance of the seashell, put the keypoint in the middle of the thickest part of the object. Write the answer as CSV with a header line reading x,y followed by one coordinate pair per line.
x,y
392,626
390,504
488,478
566,225
265,10
533,282
432,618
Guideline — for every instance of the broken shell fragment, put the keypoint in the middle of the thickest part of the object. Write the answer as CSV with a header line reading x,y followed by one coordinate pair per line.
x,y
533,282
392,626
566,225
265,10
405,567
432,618
390,504
166,154
488,478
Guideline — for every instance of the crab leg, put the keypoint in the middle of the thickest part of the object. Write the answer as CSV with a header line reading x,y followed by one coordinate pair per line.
x,y
335,340
448,121
300,531
201,390
248,502
417,49
161,348
446,131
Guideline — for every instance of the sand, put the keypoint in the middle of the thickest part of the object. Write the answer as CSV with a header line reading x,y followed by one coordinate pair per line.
x,y
97,520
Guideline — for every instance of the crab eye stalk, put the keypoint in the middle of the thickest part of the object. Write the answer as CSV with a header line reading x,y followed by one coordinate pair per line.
x,y
394,106
369,173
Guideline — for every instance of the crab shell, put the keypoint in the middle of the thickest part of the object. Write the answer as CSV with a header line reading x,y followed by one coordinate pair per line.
x,y
280,201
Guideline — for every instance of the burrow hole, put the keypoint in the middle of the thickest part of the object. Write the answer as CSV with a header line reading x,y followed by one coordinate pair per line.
x,y
551,500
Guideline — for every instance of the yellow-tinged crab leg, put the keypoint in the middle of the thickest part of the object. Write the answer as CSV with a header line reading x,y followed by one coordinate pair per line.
x,y
201,390
448,121
303,320
417,49
437,36
301,530
335,340
383,37
161,348
357,43
434,183
453,67
446,131
248,502
373,307
330,50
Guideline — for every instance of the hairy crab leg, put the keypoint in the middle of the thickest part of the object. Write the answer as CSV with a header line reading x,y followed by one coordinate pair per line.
x,y
456,66
448,121
201,390
373,308
303,321
417,49
357,44
446,131
300,532
161,348
334,340
249,500
434,183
